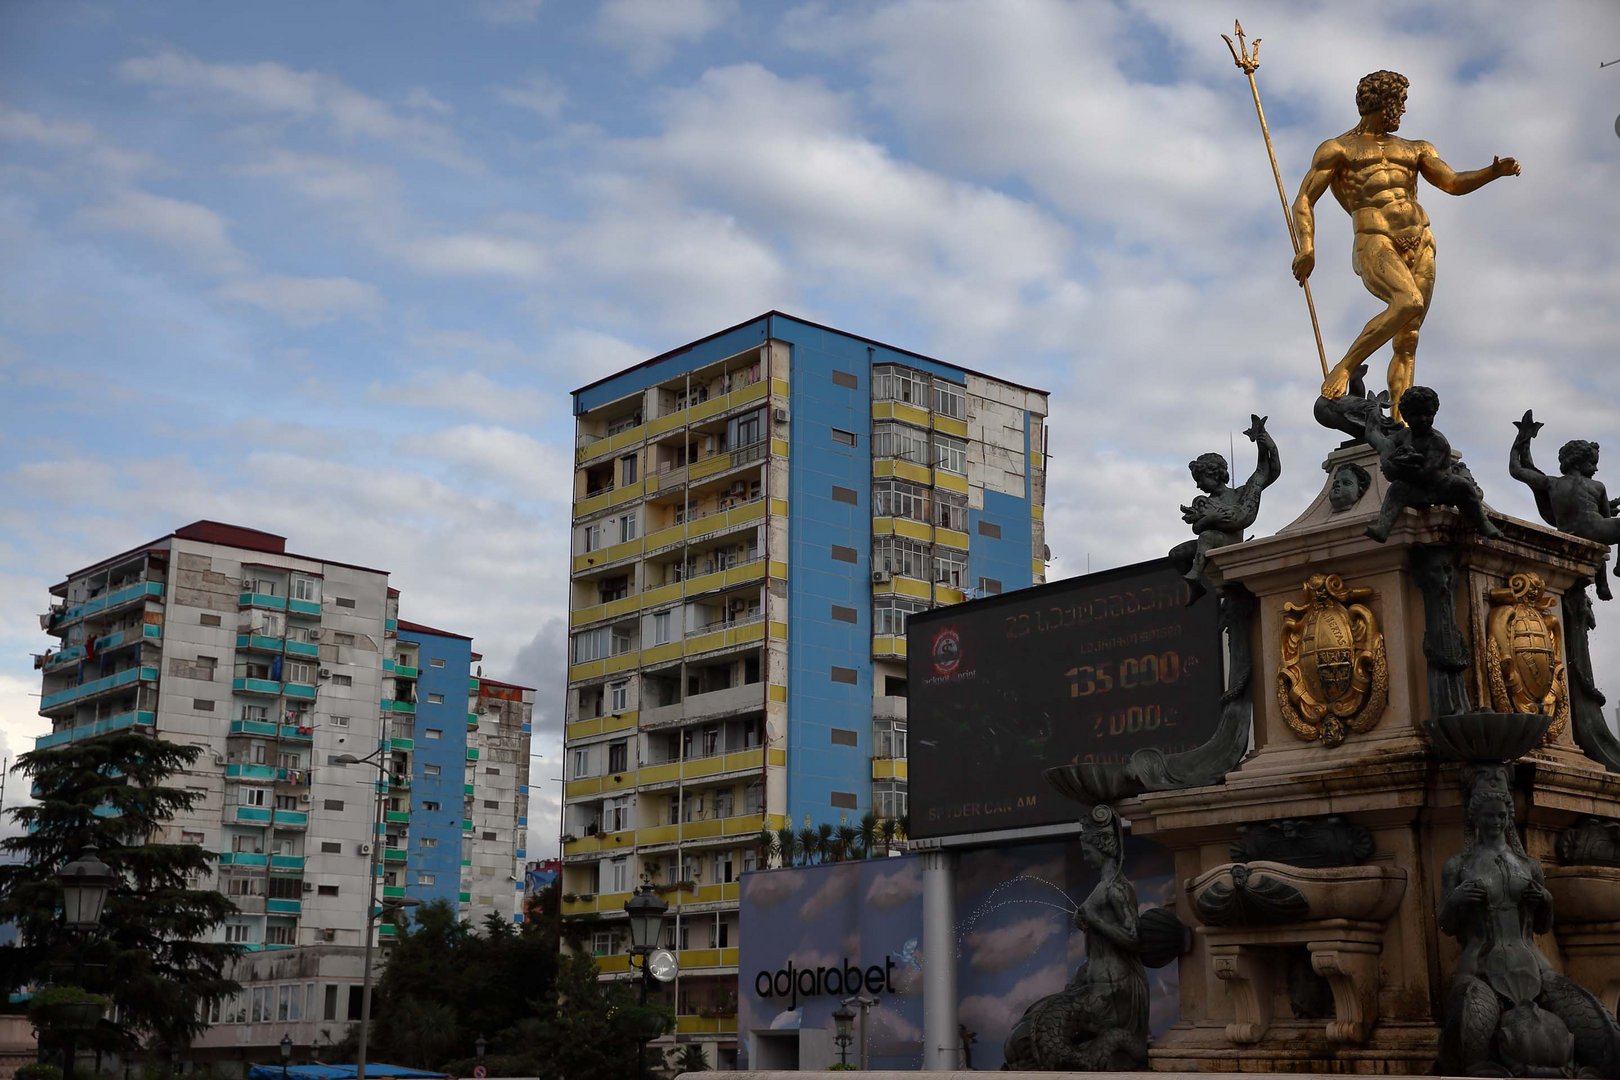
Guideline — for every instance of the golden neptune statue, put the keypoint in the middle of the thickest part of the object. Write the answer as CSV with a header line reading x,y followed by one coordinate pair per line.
x,y
1373,173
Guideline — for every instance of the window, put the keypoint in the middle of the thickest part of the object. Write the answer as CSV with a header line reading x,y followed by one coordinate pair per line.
x,y
889,800
723,870
492,804
427,879
754,798
235,932
890,382
843,438
338,721
343,639
601,643
661,624
436,662
304,588
329,1009
326,890
208,620
590,537
619,696
748,429
616,876
891,742
889,614
627,527
286,802
250,797
435,733
490,836
750,861
344,601
278,935
618,756
582,762
298,672
616,814
950,567
331,847
429,806
435,699
202,705
334,804
343,680
492,770
898,555
627,469
950,454
898,498
614,588
891,439
989,586
949,400
430,770
950,511
429,842
191,837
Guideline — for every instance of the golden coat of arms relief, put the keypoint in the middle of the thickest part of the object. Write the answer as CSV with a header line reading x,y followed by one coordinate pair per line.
x,y
1334,678
1524,652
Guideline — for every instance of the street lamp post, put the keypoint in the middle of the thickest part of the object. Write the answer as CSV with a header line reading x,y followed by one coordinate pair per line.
x,y
646,912
85,883
286,1054
374,910
843,1022
480,1046
863,1003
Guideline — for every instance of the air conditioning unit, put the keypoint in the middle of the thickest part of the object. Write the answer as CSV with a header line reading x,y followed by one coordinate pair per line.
x,y
309,886
365,849
779,414
303,797
314,635
881,577
326,673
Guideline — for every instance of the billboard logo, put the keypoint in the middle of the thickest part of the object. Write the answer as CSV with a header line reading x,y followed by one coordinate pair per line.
x,y
946,652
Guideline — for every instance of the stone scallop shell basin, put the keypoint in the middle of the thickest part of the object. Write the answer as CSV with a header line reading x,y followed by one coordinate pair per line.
x,y
1090,783
1585,894
1363,893
1486,737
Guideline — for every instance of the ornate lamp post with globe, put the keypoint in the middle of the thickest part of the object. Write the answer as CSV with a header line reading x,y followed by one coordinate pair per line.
x,y
85,883
646,911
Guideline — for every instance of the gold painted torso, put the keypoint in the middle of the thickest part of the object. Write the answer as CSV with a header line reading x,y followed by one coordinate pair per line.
x,y
1377,184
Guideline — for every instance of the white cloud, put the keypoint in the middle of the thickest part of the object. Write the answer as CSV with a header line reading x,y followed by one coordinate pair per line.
x,y
305,301
892,890
193,230
509,12
74,136
649,31
1007,947
537,93
993,1016
272,88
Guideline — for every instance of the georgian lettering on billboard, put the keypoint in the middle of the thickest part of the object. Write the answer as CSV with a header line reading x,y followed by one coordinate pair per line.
x,y
1087,669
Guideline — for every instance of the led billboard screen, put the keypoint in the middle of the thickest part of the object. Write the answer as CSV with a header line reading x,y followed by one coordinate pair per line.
x,y
1085,669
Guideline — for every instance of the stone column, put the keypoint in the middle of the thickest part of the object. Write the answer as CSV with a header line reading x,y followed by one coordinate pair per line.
x,y
941,1044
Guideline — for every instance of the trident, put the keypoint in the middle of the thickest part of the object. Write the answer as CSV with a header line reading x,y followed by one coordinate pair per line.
x,y
1248,59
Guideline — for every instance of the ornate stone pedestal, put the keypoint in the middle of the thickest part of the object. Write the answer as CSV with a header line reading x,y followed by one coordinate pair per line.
x,y
1404,632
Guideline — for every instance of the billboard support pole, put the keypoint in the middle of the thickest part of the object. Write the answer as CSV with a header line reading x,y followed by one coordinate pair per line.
x,y
941,1043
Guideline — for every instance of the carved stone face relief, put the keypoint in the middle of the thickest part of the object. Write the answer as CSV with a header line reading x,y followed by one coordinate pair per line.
x,y
1334,678
1525,652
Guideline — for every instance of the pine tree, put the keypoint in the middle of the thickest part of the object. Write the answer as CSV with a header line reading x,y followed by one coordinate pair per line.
x,y
152,954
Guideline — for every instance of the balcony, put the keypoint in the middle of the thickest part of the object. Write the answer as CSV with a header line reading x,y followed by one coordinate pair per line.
x,y
298,691
250,858
105,726
276,906
268,774
890,707
265,687
260,815
404,671
118,639
261,600
889,769
712,767
110,602
394,855
270,730
307,649
260,643
304,607
96,687
716,704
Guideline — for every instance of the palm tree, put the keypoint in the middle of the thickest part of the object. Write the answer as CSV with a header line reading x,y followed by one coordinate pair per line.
x,y
902,826
809,845
824,841
848,841
868,833
689,1058
765,845
787,845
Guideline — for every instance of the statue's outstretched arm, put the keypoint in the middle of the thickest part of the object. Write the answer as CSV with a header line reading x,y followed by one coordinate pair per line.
x,y
1268,464
1442,176
1520,465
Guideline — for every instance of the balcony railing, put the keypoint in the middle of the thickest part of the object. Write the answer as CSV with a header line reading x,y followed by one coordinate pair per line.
x,y
95,687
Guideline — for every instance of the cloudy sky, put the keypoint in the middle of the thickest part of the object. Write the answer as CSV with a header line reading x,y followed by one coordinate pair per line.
x,y
330,270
